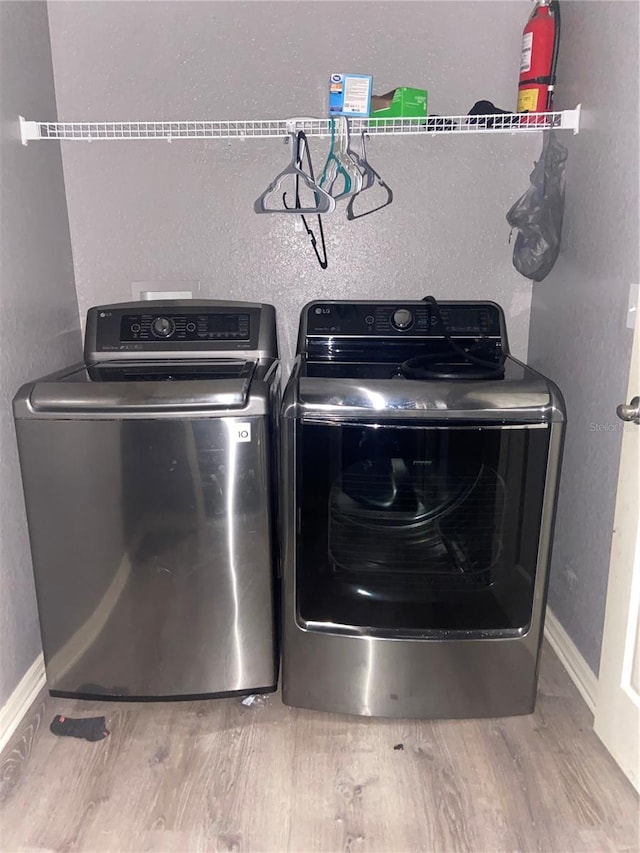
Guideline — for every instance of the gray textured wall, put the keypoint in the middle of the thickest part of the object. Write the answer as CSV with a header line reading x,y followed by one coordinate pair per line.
x,y
40,329
587,295
184,211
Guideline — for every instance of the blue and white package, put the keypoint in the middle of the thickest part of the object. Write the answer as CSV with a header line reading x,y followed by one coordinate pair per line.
x,y
350,95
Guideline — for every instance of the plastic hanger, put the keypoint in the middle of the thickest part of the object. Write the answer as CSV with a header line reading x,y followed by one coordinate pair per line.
x,y
340,165
370,176
325,203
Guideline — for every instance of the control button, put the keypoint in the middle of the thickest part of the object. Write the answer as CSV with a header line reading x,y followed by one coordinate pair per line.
x,y
370,320
191,327
163,327
135,327
402,319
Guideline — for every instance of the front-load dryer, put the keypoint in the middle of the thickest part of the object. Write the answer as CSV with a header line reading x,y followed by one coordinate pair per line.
x,y
421,466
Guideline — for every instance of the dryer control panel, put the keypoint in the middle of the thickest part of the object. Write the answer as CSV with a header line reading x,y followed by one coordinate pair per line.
x,y
402,319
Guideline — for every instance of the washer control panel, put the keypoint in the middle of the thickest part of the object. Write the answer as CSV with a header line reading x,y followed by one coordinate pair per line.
x,y
164,329
166,326
402,319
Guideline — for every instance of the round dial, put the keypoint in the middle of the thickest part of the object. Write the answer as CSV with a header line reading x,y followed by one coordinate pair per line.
x,y
163,327
402,319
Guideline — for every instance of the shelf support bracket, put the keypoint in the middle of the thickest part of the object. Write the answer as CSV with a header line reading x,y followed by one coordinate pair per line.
x,y
571,119
28,130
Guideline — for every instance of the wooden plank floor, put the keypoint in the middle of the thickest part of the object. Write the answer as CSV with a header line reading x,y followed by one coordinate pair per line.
x,y
217,776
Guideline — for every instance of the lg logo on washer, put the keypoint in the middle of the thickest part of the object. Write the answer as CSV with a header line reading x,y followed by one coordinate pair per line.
x,y
242,432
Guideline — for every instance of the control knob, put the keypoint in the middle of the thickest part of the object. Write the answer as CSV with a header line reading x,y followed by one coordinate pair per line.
x,y
402,319
163,327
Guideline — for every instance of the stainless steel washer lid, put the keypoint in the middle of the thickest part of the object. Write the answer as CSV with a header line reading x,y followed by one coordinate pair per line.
x,y
139,389
522,396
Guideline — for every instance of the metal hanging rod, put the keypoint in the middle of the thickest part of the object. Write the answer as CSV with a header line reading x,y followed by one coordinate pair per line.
x,y
274,128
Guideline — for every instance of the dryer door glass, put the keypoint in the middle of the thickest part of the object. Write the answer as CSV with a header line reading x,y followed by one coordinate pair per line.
x,y
414,529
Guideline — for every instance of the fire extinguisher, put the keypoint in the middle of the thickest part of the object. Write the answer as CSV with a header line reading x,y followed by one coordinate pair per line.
x,y
539,57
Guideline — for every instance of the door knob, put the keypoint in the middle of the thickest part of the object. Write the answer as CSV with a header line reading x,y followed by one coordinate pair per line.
x,y
630,412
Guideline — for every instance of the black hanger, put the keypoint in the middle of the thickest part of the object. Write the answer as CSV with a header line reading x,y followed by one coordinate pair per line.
x,y
301,152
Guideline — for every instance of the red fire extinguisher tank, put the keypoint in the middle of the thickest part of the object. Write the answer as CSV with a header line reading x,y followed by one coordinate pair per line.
x,y
535,90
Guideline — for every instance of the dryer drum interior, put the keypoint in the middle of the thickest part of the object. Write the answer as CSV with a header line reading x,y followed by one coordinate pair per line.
x,y
398,517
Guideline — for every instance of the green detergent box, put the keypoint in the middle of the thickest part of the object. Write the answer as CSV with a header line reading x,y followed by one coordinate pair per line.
x,y
402,102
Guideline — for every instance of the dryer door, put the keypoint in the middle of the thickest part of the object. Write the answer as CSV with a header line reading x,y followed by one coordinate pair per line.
x,y
409,530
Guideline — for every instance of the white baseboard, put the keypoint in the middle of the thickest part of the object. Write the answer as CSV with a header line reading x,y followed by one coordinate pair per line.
x,y
579,670
17,705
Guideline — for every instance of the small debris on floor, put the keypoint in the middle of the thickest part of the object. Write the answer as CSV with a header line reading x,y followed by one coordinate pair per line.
x,y
255,700
399,746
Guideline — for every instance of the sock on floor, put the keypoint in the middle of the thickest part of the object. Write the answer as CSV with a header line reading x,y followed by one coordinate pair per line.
x,y
90,728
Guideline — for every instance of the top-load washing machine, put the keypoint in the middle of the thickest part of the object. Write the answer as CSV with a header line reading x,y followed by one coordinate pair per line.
x,y
421,465
150,492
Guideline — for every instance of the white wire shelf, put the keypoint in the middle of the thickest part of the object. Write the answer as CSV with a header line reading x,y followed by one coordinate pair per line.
x,y
274,128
